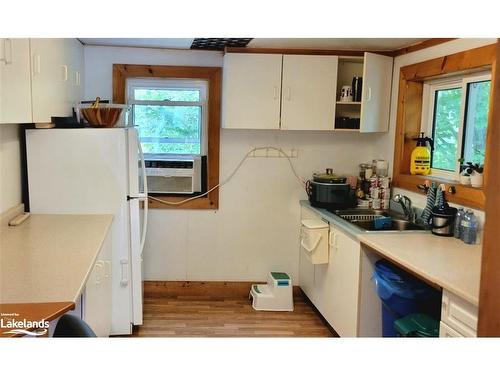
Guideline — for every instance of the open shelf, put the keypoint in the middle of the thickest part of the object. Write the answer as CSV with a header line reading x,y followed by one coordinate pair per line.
x,y
349,103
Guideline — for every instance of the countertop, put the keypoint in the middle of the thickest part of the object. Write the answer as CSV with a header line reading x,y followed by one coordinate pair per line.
x,y
446,262
443,261
48,258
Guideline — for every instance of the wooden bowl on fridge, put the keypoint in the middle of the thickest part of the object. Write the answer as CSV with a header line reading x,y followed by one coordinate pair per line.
x,y
106,117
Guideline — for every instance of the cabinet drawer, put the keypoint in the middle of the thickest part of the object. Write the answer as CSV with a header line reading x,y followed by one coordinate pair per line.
x,y
447,331
459,314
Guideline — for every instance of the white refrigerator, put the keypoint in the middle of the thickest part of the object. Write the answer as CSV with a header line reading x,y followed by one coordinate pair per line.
x,y
96,171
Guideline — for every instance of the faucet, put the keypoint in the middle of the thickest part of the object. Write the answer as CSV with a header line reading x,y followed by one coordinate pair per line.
x,y
405,203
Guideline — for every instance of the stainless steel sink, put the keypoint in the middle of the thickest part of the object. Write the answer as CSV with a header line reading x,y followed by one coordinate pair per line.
x,y
364,219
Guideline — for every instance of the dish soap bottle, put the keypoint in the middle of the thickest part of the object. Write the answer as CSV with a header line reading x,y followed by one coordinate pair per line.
x,y
421,156
469,227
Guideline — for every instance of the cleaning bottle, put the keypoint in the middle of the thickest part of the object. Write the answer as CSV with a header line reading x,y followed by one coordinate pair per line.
x,y
421,156
469,228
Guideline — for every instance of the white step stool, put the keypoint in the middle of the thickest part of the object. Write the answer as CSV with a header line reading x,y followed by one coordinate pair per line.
x,y
276,295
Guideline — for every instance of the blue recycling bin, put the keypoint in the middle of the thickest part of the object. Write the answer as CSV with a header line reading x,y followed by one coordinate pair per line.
x,y
402,294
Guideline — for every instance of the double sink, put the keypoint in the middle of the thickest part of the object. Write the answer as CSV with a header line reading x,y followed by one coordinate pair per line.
x,y
365,220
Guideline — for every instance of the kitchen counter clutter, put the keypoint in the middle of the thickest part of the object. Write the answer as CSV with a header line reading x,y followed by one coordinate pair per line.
x,y
443,261
50,259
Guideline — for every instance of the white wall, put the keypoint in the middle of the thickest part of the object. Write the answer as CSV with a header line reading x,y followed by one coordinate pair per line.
x,y
10,167
256,228
384,146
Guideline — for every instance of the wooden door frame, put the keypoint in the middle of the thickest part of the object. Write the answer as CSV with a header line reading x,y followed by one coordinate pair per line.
x,y
489,295
213,75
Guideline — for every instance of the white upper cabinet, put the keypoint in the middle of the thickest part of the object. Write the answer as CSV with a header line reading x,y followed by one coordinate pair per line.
x,y
251,91
308,92
15,85
376,93
50,79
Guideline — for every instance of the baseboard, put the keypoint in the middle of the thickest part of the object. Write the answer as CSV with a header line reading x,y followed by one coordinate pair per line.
x,y
221,289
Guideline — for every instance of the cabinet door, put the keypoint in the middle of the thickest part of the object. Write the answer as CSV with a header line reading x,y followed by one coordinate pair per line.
x,y
343,279
376,93
97,296
309,92
15,87
251,91
306,276
50,75
74,58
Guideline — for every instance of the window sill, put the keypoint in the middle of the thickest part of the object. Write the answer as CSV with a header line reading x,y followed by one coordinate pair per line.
x,y
464,195
204,203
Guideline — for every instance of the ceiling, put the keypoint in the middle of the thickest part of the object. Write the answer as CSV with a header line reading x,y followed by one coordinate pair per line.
x,y
380,44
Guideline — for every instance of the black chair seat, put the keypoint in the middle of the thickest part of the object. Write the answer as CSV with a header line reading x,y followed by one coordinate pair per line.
x,y
72,326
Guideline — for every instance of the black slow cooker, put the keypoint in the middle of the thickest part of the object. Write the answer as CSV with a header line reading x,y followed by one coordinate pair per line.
x,y
327,190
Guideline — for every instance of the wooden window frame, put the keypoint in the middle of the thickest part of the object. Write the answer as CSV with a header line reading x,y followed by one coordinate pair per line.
x,y
409,118
121,72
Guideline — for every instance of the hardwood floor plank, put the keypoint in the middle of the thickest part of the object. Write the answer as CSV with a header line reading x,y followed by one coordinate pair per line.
x,y
206,314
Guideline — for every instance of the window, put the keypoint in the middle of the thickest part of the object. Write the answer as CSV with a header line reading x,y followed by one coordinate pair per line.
x,y
457,120
170,115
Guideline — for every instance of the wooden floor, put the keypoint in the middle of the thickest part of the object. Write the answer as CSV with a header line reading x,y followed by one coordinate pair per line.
x,y
168,313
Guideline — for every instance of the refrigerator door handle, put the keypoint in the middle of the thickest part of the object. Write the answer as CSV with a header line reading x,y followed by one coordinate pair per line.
x,y
143,197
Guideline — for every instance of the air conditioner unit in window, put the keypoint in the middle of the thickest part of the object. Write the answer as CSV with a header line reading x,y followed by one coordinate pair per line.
x,y
173,176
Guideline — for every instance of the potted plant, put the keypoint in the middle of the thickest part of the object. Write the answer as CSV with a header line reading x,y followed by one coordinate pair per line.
x,y
471,173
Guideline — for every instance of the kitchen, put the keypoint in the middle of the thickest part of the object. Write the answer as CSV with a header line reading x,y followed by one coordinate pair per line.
x,y
270,115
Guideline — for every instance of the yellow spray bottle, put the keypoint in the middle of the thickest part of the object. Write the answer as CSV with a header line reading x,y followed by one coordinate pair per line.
x,y
421,156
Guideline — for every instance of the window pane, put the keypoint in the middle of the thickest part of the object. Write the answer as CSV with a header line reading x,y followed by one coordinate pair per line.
x,y
170,94
169,129
446,125
476,123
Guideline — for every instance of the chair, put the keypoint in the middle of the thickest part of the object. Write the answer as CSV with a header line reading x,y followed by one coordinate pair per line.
x,y
72,326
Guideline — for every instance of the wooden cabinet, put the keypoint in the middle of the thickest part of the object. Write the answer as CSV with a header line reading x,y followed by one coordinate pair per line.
x,y
56,65
373,109
302,92
96,299
251,91
15,84
308,92
39,78
334,287
459,315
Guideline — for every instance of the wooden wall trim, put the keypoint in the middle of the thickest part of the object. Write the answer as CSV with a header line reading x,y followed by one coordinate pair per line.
x,y
409,112
489,295
421,45
340,52
214,77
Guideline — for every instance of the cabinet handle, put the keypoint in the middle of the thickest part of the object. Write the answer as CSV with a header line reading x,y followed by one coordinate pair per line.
x,y
36,64
64,70
333,240
98,272
369,96
124,278
77,78
107,269
288,93
8,61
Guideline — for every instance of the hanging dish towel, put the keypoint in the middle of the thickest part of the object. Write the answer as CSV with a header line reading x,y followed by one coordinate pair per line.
x,y
431,200
439,197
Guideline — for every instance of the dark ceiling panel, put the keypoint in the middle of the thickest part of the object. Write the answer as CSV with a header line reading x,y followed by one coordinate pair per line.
x,y
218,44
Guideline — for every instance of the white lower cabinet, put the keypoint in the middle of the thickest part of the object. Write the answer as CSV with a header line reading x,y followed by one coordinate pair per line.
x,y
334,287
96,299
457,315
446,331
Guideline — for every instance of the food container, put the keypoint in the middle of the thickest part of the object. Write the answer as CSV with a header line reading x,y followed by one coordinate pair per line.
x,y
385,204
384,182
373,181
375,192
376,203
